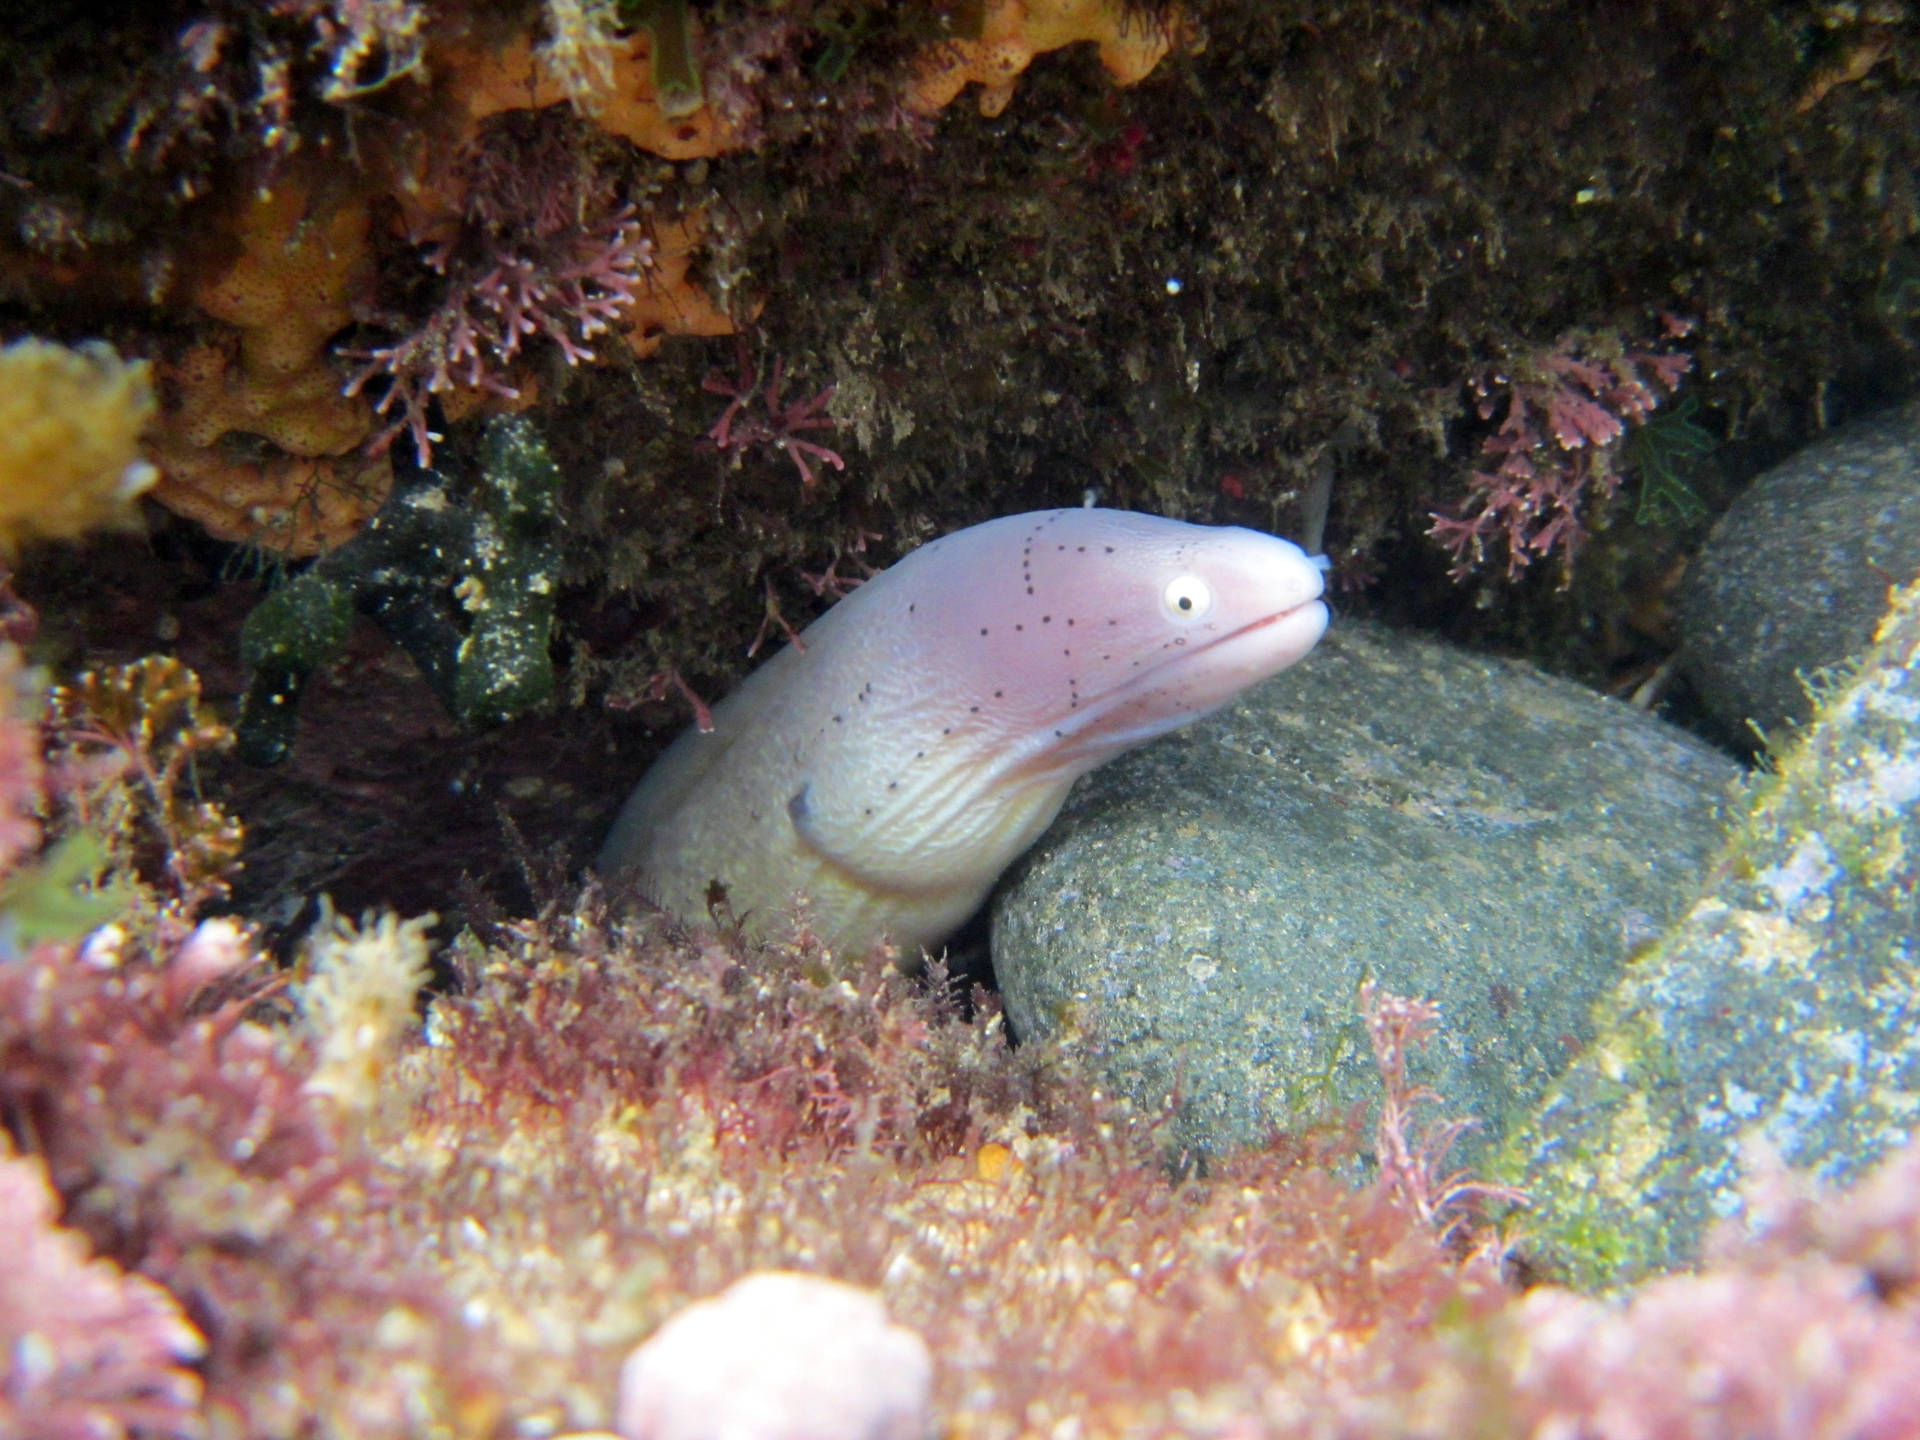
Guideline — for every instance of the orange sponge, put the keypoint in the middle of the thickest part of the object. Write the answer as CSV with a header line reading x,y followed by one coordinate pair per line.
x,y
487,80
254,439
1014,31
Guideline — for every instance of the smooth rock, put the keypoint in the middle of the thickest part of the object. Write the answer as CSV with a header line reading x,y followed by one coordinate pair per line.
x,y
1457,827
1780,1018
1796,574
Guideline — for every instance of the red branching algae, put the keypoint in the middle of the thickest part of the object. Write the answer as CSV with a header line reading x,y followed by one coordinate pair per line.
x,y
1410,1160
830,581
774,619
569,286
742,429
1562,412
544,248
658,686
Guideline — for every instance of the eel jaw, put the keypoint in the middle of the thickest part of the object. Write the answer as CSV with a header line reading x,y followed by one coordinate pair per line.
x,y
1145,706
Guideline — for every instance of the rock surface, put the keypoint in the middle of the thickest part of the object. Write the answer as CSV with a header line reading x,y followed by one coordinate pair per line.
x,y
1457,827
1796,574
1784,1008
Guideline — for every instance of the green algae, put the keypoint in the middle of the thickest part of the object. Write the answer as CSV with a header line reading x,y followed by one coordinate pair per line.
x,y
503,667
301,625
489,553
1777,1017
62,896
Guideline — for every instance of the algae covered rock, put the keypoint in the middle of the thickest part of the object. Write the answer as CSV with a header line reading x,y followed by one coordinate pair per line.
x,y
1783,1009
1456,827
1794,577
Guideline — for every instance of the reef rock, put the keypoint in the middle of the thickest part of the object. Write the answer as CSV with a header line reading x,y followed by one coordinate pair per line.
x,y
1456,827
1779,1018
1796,574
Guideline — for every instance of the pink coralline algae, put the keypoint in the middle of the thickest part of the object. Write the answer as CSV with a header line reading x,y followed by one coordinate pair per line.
x,y
1565,410
570,286
741,428
86,1350
779,1356
1802,1326
1793,1354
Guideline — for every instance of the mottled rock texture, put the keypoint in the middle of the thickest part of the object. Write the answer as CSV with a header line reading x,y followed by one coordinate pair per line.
x,y
1795,575
1784,1009
1455,826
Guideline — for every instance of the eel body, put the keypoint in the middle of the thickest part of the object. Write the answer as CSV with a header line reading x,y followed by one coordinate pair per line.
x,y
927,728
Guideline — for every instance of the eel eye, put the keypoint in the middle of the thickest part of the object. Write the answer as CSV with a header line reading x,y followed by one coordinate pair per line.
x,y
1187,597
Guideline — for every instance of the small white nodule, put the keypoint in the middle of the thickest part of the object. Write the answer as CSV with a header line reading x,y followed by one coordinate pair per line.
x,y
778,1356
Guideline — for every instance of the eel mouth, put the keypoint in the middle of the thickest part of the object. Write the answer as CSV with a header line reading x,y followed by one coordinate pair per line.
x,y
1240,658
1184,687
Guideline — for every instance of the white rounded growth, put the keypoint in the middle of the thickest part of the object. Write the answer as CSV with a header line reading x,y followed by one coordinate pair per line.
x,y
778,1356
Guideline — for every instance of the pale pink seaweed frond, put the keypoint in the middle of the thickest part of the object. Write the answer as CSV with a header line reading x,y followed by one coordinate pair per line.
x,y
1561,414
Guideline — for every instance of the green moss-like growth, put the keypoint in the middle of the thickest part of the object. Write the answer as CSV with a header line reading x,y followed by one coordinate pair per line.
x,y
300,626
61,897
1780,1011
465,582
502,668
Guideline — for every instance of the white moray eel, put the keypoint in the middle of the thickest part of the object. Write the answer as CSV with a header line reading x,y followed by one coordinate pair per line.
x,y
927,728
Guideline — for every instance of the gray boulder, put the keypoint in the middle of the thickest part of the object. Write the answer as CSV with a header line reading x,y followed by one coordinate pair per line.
x,y
1782,1012
1458,827
1796,573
